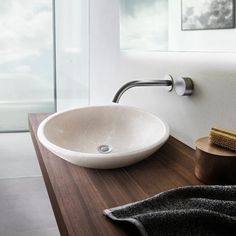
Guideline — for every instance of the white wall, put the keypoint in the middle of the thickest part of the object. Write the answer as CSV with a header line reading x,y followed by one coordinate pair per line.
x,y
214,75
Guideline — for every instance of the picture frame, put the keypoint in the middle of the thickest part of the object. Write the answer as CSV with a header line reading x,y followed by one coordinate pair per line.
x,y
207,14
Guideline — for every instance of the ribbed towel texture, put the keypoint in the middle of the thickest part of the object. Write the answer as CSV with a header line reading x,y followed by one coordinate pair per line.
x,y
185,211
223,138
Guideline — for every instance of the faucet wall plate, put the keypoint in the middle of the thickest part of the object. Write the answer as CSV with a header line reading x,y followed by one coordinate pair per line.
x,y
183,86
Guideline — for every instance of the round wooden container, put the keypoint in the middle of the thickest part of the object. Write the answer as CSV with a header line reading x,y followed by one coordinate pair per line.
x,y
214,165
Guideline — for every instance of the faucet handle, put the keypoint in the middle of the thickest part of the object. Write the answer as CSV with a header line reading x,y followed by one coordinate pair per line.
x,y
183,86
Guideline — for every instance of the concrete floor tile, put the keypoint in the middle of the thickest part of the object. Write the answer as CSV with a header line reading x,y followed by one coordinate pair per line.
x,y
17,156
25,208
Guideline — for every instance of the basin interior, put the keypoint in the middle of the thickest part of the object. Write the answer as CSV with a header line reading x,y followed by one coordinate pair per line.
x,y
121,128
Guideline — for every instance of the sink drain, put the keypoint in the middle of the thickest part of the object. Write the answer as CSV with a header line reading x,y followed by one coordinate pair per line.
x,y
104,148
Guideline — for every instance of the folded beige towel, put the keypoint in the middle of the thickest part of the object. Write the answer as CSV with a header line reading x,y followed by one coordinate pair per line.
x,y
223,138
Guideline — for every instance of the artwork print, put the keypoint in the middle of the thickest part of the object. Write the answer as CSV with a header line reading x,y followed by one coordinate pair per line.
x,y
208,14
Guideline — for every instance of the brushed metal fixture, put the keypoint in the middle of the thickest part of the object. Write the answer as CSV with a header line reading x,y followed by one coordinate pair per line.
x,y
183,86
168,82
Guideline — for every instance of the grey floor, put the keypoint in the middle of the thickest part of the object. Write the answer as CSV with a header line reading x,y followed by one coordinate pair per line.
x,y
25,209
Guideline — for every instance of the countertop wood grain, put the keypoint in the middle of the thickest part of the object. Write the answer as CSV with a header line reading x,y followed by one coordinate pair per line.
x,y
79,195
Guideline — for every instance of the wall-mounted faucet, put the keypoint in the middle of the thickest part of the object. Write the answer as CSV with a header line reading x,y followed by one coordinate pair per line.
x,y
183,86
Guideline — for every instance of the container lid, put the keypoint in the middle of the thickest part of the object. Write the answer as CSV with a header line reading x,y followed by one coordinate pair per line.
x,y
204,145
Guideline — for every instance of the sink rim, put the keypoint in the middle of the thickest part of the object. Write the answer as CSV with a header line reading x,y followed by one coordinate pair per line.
x,y
51,146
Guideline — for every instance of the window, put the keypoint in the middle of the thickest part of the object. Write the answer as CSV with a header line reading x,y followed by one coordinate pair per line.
x,y
26,61
144,24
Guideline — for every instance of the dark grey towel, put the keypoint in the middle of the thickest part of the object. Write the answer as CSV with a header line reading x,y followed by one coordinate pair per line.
x,y
186,211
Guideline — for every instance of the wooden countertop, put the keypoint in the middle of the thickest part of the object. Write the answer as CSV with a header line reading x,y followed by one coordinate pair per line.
x,y
79,195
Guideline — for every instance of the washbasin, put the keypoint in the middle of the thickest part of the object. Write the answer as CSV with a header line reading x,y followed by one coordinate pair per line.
x,y
103,137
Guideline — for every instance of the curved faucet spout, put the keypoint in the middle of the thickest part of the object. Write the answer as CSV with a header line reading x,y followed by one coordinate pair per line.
x,y
141,83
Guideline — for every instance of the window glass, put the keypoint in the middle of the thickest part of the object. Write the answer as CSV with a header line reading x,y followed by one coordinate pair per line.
x,y
26,61
144,24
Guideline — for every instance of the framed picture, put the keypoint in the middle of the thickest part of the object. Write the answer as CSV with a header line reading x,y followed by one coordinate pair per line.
x,y
208,14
